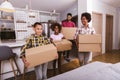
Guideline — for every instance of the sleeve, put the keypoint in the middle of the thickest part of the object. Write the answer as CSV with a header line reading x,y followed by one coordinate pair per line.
x,y
26,46
61,35
63,23
74,24
46,41
51,36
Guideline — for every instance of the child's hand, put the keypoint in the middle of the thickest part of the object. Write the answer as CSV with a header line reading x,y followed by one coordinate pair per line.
x,y
26,63
75,41
56,57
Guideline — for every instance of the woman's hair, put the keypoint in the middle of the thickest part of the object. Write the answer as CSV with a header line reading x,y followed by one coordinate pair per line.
x,y
87,16
56,24
37,23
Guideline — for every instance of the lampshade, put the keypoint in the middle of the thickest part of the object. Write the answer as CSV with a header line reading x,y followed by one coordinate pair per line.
x,y
7,7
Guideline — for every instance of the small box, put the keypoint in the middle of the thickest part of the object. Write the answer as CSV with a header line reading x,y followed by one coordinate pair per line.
x,y
63,45
69,33
41,54
89,43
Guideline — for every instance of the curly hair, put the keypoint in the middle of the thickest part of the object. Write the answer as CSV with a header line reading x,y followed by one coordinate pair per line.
x,y
56,24
87,16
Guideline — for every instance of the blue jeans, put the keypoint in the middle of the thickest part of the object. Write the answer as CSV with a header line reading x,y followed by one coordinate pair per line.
x,y
84,57
41,71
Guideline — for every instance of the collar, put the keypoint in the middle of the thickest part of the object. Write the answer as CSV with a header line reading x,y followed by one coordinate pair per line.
x,y
37,35
84,26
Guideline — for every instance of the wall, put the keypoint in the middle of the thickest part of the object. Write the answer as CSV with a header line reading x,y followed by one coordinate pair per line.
x,y
117,33
73,9
45,17
103,8
82,7
118,24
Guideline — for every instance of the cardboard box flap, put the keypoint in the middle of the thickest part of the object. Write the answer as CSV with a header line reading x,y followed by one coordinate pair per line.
x,y
40,49
88,38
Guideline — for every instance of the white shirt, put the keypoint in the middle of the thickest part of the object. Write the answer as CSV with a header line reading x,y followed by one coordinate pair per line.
x,y
57,37
83,30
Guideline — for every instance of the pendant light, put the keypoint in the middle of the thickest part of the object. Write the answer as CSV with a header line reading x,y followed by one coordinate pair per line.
x,y
6,6
31,13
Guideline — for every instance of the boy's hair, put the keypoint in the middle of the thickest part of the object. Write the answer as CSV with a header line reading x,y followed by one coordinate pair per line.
x,y
56,24
37,23
87,16
69,14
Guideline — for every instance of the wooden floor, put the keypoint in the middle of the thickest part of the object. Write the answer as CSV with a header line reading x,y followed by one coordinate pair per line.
x,y
110,57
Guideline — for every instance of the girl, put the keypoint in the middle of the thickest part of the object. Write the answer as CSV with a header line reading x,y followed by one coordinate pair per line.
x,y
84,29
35,40
57,35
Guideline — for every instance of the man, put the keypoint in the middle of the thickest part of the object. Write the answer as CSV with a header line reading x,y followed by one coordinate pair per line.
x,y
68,22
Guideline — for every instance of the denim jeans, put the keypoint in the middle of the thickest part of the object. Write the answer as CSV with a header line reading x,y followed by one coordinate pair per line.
x,y
41,71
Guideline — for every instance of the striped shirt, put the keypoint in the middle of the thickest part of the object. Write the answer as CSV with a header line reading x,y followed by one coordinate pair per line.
x,y
34,41
83,30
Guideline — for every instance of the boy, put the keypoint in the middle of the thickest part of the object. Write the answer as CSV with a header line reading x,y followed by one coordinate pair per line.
x,y
35,40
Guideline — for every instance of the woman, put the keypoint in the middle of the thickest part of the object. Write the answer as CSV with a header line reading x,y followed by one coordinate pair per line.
x,y
84,29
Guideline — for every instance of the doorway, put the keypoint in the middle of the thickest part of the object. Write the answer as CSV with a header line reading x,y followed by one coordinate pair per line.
x,y
109,33
97,19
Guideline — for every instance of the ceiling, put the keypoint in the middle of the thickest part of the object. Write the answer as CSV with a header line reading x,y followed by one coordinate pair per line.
x,y
43,5
114,3
50,5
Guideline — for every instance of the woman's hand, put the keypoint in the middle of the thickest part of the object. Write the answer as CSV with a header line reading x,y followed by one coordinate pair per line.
x,y
75,41
26,63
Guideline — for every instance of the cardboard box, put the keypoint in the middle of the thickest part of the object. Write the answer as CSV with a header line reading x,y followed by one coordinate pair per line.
x,y
89,48
88,38
87,43
41,54
69,33
63,45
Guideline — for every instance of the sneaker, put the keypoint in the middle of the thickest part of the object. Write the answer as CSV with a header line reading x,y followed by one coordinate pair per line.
x,y
67,59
